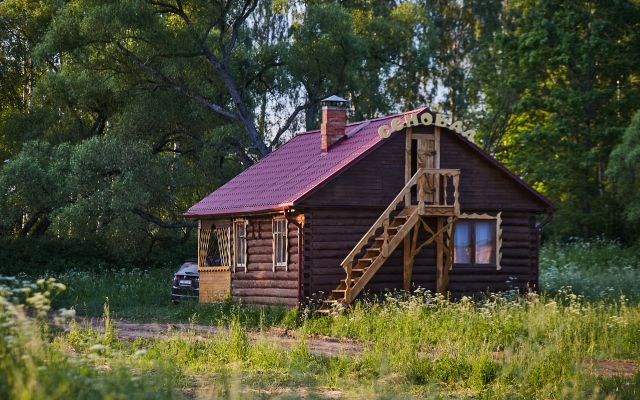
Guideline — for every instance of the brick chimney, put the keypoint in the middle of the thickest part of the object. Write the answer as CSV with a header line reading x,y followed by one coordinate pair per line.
x,y
333,122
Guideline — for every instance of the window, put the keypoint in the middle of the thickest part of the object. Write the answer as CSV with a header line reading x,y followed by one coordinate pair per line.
x,y
474,242
240,248
279,243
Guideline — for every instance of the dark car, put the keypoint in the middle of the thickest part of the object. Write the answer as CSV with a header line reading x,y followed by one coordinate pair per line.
x,y
186,282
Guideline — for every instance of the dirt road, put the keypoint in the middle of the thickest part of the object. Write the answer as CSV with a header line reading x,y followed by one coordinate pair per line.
x,y
318,344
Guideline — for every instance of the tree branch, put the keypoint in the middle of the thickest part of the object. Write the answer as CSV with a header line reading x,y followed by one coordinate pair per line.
x,y
288,123
27,227
163,224
179,88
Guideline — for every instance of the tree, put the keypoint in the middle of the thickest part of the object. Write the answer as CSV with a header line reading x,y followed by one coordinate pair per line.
x,y
576,68
23,24
624,171
201,50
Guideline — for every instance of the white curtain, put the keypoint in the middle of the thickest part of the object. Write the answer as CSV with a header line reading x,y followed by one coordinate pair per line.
x,y
484,247
462,243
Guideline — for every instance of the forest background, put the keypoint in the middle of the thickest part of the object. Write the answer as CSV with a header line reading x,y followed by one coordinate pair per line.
x,y
116,116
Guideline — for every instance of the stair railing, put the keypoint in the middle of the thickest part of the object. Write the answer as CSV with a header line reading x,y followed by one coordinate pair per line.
x,y
383,221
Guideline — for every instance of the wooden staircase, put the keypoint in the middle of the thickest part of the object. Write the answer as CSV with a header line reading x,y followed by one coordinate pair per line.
x,y
394,230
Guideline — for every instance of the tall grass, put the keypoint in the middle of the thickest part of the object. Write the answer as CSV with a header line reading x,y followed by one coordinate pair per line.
x,y
543,346
533,347
145,296
594,270
35,364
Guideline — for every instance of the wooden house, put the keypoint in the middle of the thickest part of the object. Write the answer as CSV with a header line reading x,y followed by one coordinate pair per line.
x,y
342,210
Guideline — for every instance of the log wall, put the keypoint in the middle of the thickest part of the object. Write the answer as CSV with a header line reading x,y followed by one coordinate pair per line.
x,y
330,234
483,185
373,181
341,212
260,284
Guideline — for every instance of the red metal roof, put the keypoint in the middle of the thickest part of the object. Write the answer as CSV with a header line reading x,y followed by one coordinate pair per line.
x,y
296,169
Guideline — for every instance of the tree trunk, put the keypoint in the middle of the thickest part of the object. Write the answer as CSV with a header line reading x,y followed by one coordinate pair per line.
x,y
310,117
27,227
42,227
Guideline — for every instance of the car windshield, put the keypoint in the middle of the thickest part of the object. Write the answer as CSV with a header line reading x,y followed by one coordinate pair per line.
x,y
188,268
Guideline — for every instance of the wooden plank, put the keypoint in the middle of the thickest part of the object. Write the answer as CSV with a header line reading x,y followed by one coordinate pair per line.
x,y
425,160
353,221
340,229
214,286
282,275
271,301
515,253
439,262
352,238
436,162
338,245
513,262
276,284
265,292
408,264
520,280
206,223
423,136
393,243
254,250
351,213
407,166
515,245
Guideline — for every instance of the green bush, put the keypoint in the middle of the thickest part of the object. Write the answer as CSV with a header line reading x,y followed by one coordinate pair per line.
x,y
37,256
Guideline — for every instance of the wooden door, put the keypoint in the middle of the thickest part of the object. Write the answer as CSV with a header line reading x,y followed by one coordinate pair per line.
x,y
422,151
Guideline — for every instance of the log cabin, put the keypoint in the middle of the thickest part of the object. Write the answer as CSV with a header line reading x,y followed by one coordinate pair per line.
x,y
363,208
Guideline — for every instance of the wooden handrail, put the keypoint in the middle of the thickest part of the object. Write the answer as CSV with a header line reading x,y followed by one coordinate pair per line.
x,y
383,220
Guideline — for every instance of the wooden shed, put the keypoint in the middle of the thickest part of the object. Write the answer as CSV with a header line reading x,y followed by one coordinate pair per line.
x,y
388,203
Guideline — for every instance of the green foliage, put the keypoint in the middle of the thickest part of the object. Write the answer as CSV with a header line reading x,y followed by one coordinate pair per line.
x,y
116,117
578,91
624,171
609,269
36,257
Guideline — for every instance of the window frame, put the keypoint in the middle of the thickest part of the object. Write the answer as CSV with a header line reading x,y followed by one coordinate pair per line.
x,y
285,242
496,240
236,242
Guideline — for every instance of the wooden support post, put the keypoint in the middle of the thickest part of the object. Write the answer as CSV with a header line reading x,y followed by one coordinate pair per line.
x,y
409,256
408,263
436,162
441,284
425,160
407,166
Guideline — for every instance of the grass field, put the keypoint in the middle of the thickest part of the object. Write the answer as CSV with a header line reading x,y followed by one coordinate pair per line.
x,y
548,346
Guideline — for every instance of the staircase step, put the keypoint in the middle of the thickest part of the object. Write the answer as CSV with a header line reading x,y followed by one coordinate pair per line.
x,y
371,261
